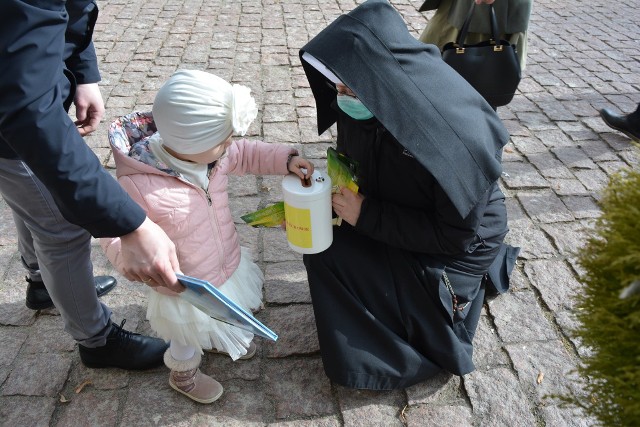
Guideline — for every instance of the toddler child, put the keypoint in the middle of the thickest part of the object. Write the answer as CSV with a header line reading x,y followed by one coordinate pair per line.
x,y
179,177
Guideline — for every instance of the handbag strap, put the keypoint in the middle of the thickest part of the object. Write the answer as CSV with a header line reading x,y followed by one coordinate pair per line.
x,y
462,34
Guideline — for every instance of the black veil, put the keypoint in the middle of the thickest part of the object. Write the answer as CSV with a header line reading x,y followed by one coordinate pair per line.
x,y
432,111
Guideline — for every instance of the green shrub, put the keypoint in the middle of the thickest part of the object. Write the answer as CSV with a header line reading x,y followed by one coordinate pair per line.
x,y
608,323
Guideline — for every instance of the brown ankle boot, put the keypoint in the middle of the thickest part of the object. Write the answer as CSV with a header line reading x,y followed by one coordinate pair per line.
x,y
186,378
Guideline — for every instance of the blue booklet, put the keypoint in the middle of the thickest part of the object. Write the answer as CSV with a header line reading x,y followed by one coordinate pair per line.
x,y
215,304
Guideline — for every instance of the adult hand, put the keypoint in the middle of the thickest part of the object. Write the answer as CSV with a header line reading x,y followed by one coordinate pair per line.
x,y
347,205
89,108
297,163
149,256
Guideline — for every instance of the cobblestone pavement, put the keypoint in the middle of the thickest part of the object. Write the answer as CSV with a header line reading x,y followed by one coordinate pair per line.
x,y
582,57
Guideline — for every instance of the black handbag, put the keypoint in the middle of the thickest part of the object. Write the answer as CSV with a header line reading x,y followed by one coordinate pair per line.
x,y
491,66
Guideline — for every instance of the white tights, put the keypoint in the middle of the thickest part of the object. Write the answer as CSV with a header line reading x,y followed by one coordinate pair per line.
x,y
181,352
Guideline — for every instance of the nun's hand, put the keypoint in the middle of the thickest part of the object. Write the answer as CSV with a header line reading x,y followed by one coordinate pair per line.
x,y
347,205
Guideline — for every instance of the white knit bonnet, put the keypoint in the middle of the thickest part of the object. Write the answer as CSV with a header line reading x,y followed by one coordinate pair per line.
x,y
195,111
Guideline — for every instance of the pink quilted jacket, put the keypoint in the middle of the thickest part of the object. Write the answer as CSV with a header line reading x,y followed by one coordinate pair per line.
x,y
198,222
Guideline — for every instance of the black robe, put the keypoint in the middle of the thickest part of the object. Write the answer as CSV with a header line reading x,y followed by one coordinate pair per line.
x,y
386,316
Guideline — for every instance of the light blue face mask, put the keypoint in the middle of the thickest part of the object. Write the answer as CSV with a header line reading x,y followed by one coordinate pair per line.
x,y
353,107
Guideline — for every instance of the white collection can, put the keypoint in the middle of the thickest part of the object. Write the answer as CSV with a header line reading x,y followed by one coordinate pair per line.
x,y
307,211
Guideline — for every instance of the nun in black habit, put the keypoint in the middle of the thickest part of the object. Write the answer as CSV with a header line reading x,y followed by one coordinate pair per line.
x,y
397,297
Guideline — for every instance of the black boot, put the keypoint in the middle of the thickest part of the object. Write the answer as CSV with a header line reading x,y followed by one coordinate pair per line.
x,y
628,124
125,350
38,298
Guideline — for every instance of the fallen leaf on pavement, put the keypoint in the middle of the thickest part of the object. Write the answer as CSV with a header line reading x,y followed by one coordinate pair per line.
x,y
81,386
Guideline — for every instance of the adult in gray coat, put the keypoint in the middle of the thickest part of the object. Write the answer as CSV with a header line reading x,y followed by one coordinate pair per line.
x,y
512,18
55,185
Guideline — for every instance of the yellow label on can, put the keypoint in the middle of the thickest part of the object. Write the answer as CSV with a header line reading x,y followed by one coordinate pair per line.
x,y
298,226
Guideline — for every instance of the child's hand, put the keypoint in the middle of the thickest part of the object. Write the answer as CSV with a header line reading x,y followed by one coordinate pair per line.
x,y
297,163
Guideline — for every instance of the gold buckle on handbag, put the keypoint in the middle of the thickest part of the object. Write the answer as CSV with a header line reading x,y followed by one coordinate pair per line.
x,y
459,50
497,48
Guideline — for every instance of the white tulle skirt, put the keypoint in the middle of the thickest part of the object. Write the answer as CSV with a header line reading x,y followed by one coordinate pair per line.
x,y
174,319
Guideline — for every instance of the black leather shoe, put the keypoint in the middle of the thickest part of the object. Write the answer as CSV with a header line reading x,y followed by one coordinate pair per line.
x,y
38,298
125,350
622,123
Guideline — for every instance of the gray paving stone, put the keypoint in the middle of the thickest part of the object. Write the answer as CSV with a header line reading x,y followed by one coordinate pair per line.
x,y
309,131
249,238
223,368
246,185
569,417
555,110
298,388
296,329
497,399
89,407
554,138
569,238
272,185
630,157
276,247
487,348
242,404
281,132
4,373
582,207
441,416
522,175
579,107
49,336
545,369
317,151
13,312
518,318
518,281
533,243
511,154
442,389
522,104
549,166
26,411
594,181
99,379
378,408
275,113
544,206
568,187
12,341
555,282
149,400
614,167
42,374
569,325
574,157
517,131
286,282
328,421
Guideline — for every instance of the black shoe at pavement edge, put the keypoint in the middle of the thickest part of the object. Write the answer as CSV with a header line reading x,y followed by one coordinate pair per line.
x,y
125,350
621,123
38,298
